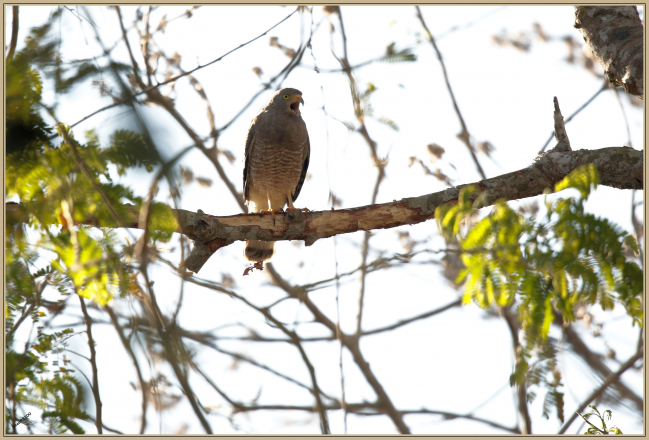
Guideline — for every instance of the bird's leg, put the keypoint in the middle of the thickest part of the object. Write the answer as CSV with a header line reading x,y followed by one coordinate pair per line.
x,y
272,212
290,204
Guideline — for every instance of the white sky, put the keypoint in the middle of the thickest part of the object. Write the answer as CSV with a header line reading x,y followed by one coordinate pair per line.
x,y
453,362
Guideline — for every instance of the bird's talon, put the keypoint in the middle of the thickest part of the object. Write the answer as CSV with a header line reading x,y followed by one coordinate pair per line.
x,y
297,209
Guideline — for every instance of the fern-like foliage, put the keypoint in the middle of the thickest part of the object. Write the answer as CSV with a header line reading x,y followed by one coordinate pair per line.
x,y
604,430
61,189
544,267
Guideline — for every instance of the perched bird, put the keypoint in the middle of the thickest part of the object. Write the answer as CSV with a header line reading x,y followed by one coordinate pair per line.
x,y
276,160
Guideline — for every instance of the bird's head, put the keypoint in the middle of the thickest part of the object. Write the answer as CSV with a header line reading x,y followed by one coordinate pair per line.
x,y
288,99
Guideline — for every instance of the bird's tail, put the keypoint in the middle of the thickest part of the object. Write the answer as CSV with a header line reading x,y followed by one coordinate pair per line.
x,y
257,250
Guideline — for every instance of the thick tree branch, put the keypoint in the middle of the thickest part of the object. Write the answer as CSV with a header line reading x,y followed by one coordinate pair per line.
x,y
614,34
619,167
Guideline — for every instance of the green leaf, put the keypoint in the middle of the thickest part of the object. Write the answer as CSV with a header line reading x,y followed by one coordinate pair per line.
x,y
162,222
582,179
402,56
389,122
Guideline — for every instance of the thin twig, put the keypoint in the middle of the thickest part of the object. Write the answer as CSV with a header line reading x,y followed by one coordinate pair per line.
x,y
464,135
403,322
155,96
380,164
136,68
364,253
361,409
129,349
265,367
602,432
106,427
352,344
93,363
29,310
145,44
637,228
616,93
343,402
521,390
595,362
599,390
67,350
172,358
193,335
157,317
177,77
583,106
563,143
324,422
236,405
84,168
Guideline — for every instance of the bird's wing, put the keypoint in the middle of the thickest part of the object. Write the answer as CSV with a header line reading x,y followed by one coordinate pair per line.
x,y
250,140
305,166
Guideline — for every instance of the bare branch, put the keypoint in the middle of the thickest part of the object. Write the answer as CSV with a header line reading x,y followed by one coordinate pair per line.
x,y
380,164
563,143
597,364
361,409
637,228
414,318
74,147
295,340
93,363
177,77
599,390
127,347
136,68
29,310
619,167
170,344
352,344
464,135
525,421
576,112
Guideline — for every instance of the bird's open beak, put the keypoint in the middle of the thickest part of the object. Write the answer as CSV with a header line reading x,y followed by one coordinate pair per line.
x,y
295,105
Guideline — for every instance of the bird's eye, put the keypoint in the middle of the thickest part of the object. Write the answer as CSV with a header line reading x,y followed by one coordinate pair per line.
x,y
285,96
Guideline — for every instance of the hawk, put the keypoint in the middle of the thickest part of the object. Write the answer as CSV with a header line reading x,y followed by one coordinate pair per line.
x,y
276,160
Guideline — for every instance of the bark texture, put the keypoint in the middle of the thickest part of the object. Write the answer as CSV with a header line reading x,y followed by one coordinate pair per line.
x,y
619,167
614,34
